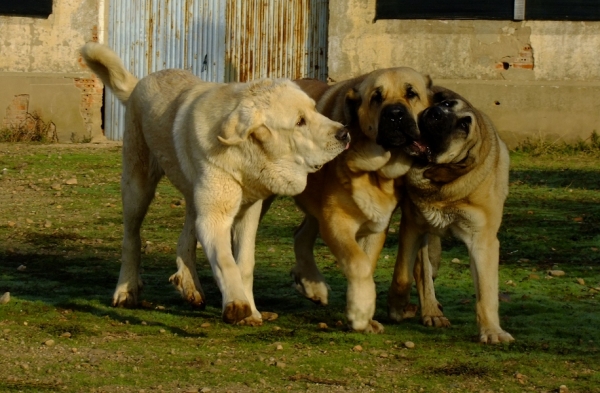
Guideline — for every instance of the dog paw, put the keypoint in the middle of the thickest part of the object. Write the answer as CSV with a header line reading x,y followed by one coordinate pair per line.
x,y
372,326
268,316
435,321
188,290
401,313
495,336
237,310
127,299
250,321
316,291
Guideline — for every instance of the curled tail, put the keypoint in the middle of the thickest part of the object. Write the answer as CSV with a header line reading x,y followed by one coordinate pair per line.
x,y
108,66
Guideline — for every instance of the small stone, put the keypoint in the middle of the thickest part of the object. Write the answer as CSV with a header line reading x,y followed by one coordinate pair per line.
x,y
162,331
534,277
11,223
56,186
74,350
523,260
357,348
5,298
556,273
144,323
280,364
205,325
455,260
276,328
22,268
322,325
383,355
409,344
580,281
279,347
25,323
66,335
71,181
47,224
49,343
563,389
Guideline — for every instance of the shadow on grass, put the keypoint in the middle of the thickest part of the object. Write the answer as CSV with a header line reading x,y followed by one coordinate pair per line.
x,y
559,178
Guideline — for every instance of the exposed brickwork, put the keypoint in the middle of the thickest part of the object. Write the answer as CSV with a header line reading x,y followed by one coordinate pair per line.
x,y
91,88
16,112
91,100
523,60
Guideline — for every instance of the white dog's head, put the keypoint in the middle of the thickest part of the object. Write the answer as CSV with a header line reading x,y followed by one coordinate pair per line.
x,y
278,126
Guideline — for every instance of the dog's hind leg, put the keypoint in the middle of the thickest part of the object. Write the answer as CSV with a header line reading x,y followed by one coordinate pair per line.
x,y
308,280
410,239
186,279
141,174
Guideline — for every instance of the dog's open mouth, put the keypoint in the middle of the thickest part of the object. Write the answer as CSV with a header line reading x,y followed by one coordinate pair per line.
x,y
420,149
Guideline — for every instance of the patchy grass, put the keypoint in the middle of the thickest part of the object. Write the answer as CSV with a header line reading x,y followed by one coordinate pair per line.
x,y
68,238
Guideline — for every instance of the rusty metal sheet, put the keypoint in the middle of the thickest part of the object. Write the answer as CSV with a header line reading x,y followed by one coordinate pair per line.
x,y
276,38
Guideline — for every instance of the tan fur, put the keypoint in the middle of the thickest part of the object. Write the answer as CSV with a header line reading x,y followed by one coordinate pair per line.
x,y
461,193
350,201
225,147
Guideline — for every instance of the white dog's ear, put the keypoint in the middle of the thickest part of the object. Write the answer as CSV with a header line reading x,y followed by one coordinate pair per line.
x,y
243,121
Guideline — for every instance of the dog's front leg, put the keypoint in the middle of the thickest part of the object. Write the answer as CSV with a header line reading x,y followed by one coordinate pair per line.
x,y
484,250
358,268
244,241
431,309
217,206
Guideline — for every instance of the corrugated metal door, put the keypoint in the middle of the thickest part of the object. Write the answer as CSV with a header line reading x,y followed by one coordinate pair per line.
x,y
151,35
218,40
276,38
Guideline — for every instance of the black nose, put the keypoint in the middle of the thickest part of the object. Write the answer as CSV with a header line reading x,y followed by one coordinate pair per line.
x,y
435,113
394,112
343,135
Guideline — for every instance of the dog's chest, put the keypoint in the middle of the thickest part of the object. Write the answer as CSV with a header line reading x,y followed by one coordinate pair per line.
x,y
440,218
376,204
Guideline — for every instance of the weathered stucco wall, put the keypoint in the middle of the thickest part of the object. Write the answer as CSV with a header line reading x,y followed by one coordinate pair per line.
x,y
41,69
534,78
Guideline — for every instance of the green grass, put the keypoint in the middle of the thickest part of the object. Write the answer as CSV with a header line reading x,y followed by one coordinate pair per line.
x,y
69,237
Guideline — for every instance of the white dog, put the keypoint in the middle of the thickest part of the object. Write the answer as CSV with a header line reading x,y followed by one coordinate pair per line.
x,y
226,147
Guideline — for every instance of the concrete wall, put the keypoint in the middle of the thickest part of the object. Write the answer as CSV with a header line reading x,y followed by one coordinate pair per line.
x,y
534,78
41,71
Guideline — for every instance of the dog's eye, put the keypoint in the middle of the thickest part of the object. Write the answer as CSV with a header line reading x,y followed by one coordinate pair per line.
x,y
448,103
465,124
301,122
377,97
410,93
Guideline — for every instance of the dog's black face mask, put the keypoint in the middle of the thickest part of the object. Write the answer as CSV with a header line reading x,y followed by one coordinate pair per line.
x,y
397,128
440,126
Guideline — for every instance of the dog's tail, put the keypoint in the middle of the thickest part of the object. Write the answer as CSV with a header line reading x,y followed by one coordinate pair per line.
x,y
108,66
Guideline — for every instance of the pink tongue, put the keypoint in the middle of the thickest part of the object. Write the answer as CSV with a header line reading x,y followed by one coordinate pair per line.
x,y
421,148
